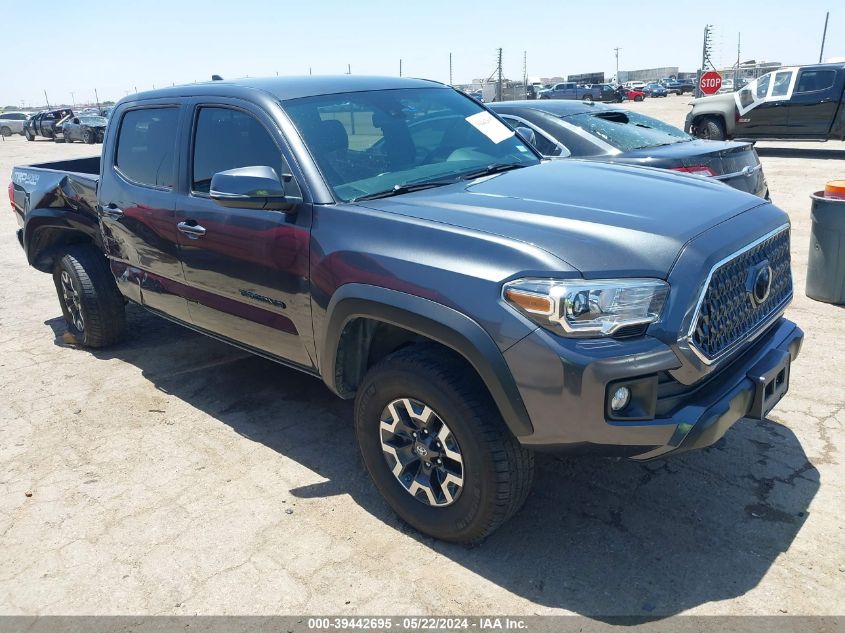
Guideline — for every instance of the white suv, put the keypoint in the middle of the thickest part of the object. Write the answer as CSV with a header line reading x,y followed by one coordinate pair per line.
x,y
12,122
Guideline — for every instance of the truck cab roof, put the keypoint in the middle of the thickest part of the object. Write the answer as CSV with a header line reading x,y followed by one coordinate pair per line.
x,y
284,88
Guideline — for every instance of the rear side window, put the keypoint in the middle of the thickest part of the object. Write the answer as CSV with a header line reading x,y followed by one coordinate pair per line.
x,y
146,145
813,80
226,139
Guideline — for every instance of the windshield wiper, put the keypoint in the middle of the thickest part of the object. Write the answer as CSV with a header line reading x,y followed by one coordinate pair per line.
x,y
400,189
495,168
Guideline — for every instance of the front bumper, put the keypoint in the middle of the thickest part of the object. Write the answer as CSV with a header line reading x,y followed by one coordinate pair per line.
x,y
564,384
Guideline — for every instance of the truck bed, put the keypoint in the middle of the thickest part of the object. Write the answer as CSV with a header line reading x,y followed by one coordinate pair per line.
x,y
65,189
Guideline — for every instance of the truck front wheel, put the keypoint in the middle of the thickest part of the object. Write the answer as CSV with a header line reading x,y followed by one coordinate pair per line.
x,y
436,446
91,303
710,129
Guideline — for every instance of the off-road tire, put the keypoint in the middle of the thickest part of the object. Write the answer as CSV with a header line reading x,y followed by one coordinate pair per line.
x,y
497,470
100,303
710,128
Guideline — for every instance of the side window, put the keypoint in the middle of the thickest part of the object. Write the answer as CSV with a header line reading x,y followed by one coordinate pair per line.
x,y
781,83
228,139
763,86
146,144
813,80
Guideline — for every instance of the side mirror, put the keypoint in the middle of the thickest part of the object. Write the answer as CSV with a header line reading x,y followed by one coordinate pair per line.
x,y
527,135
257,187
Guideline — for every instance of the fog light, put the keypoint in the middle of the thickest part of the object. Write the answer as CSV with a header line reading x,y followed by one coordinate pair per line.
x,y
621,398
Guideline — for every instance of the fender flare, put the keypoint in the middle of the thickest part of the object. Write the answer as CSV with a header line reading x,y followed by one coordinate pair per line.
x,y
432,320
54,219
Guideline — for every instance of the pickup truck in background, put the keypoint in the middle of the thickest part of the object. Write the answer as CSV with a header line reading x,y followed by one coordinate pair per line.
x,y
47,124
397,240
801,103
571,90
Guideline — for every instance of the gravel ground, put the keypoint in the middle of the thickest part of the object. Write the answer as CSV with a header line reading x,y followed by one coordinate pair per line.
x,y
172,474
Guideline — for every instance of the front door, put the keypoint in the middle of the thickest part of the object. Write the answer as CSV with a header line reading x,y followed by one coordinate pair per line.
x,y
137,214
246,269
762,106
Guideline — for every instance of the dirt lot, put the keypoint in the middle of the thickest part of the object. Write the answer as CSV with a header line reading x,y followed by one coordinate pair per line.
x,y
173,474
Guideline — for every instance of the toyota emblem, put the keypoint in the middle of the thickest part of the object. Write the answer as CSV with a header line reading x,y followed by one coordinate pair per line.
x,y
758,284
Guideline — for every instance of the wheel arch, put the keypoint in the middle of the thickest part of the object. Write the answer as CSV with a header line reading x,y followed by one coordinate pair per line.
x,y
355,313
49,231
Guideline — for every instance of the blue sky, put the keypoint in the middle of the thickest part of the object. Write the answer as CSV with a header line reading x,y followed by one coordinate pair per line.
x,y
117,47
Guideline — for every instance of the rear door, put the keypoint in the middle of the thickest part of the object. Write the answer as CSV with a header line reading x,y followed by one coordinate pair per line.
x,y
814,102
247,269
137,201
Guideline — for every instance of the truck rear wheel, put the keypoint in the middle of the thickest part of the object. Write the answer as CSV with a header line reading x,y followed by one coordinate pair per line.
x,y
710,129
91,303
436,446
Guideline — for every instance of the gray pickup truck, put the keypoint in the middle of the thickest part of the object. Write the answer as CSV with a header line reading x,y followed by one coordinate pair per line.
x,y
397,240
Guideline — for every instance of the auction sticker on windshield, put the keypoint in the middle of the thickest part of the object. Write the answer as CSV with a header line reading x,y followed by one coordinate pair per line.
x,y
490,126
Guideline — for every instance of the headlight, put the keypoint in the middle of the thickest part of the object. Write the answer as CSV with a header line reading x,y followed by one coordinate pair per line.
x,y
589,308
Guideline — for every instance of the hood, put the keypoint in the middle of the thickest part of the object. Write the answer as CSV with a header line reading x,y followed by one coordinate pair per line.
x,y
599,218
726,98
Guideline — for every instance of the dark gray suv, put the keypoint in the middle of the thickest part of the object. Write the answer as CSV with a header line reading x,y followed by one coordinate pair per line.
x,y
397,240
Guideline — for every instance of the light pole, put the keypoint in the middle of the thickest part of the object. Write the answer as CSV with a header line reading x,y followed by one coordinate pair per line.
x,y
616,50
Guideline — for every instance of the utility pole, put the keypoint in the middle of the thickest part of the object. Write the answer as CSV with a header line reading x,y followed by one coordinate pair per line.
x,y
348,69
97,98
47,99
309,70
525,71
706,48
499,83
72,98
824,35
736,70
450,69
616,50
400,66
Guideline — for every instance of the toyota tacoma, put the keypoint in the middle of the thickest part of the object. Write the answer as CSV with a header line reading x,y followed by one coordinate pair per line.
x,y
396,239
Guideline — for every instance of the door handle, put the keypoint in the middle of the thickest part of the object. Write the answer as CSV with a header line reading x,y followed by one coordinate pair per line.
x,y
191,229
112,210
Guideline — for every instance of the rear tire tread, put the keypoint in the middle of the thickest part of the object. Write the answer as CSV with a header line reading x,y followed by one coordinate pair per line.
x,y
103,308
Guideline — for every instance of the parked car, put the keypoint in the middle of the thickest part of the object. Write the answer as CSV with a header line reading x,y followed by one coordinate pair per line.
x,y
12,123
86,128
635,85
572,91
599,132
803,102
679,86
655,90
727,86
477,302
46,124
633,95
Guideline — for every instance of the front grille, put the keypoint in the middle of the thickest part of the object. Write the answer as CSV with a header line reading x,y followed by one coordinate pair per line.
x,y
728,314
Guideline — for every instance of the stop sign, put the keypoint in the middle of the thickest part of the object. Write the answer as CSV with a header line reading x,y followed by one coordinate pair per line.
x,y
710,82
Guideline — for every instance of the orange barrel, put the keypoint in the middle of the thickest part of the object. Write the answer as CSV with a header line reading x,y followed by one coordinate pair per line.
x,y
835,189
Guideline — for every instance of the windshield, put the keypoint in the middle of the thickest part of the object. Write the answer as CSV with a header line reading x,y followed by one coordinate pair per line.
x,y
375,141
93,120
627,131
